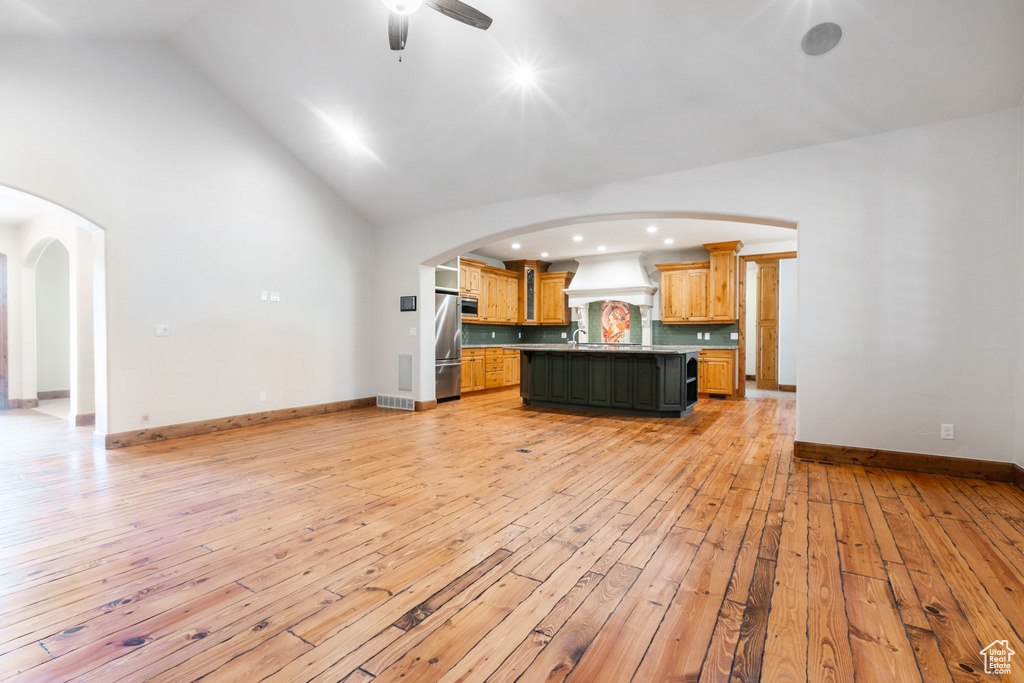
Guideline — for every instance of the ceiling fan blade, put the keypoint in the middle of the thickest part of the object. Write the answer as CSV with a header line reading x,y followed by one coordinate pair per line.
x,y
460,11
398,30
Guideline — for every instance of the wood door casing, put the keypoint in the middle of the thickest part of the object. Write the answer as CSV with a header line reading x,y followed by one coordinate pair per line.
x,y
768,325
3,333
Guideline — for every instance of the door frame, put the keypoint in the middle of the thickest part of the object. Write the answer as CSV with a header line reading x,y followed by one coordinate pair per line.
x,y
4,383
741,361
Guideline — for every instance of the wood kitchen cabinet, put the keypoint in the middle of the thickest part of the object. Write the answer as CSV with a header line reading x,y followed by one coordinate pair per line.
x,y
716,371
469,278
473,362
684,292
702,291
498,302
554,302
722,283
488,368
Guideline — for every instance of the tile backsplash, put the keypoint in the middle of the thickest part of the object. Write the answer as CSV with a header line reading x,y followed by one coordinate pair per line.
x,y
668,335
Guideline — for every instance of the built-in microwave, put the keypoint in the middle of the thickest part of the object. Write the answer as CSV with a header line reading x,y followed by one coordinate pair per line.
x,y
469,307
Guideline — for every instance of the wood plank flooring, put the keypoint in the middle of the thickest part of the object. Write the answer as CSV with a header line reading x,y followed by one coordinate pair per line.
x,y
486,541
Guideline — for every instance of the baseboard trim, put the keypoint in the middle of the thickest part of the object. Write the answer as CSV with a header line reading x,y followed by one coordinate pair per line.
x,y
85,419
787,387
22,403
48,395
178,431
914,462
421,406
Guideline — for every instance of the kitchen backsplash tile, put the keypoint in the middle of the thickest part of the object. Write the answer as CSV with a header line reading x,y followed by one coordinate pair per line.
x,y
668,335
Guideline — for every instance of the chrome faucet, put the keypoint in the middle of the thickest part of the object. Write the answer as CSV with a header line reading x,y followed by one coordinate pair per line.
x,y
574,341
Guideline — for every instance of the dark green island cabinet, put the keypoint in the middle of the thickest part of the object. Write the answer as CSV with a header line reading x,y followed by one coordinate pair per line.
x,y
655,381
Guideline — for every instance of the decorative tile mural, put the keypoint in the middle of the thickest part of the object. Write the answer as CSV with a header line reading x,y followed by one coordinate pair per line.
x,y
614,322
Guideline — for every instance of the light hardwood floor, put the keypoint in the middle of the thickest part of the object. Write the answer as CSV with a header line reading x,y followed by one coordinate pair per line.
x,y
488,541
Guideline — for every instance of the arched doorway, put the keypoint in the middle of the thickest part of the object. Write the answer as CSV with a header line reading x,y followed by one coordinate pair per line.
x,y
53,308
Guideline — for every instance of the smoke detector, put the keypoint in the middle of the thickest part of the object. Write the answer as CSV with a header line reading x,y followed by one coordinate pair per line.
x,y
821,39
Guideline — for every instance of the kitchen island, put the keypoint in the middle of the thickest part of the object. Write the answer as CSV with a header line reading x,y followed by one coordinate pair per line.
x,y
625,379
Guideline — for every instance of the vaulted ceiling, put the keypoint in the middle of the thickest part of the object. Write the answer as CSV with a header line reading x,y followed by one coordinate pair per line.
x,y
624,88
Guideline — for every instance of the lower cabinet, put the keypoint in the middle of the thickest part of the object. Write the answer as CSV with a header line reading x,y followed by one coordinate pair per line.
x,y
487,368
717,370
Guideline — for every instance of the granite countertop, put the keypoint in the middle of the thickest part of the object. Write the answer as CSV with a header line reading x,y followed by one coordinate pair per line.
x,y
660,348
607,348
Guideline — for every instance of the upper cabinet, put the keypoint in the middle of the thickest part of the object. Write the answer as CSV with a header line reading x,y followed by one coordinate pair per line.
x,y
469,277
722,283
554,302
684,292
703,291
498,298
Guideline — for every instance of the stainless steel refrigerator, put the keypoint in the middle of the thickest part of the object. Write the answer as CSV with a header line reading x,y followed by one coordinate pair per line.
x,y
447,345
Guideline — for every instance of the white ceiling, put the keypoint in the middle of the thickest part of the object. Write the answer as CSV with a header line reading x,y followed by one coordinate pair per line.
x,y
631,235
628,88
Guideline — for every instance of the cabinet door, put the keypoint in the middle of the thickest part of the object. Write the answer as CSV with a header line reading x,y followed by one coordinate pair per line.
x,y
511,299
467,378
695,293
473,276
672,296
510,371
622,381
540,386
559,378
489,297
645,383
579,378
477,371
550,301
600,380
719,375
723,285
463,280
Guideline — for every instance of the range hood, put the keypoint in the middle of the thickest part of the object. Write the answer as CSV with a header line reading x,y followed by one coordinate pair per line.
x,y
612,277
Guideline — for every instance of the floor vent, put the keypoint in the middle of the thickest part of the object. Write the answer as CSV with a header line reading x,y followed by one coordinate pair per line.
x,y
399,402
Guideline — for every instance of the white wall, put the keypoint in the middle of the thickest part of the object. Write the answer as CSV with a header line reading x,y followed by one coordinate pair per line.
x,y
903,237
787,320
201,211
10,246
53,319
1020,289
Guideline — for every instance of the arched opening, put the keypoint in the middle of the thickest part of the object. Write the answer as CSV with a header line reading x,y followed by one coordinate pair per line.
x,y
53,308
53,329
694,232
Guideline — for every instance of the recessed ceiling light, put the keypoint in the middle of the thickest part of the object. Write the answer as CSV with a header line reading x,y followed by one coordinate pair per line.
x,y
577,238
652,228
524,76
601,248
543,254
821,39
669,240
515,245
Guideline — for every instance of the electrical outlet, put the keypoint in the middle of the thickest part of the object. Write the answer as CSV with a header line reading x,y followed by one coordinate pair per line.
x,y
946,432
565,335
734,335
492,335
275,296
698,336
263,396
263,296
163,330
145,418
707,336
520,335
412,331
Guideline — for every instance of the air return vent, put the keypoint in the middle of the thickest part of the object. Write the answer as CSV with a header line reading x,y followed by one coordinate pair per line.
x,y
399,402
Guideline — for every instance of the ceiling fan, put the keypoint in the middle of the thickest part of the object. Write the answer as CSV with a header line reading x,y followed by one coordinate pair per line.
x,y
398,23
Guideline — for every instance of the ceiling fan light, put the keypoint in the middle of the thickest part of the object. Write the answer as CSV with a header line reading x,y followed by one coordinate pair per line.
x,y
402,6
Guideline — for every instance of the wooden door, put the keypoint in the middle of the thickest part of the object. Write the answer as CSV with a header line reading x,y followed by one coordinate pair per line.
x,y
767,333
695,291
3,333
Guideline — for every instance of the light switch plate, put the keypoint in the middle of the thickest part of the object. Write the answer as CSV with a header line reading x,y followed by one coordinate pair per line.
x,y
163,330
707,336
275,296
412,331
263,296
734,335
